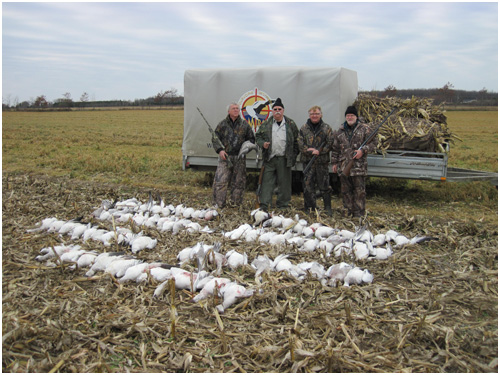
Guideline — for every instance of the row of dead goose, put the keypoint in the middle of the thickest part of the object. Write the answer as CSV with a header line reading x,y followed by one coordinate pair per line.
x,y
267,228
127,268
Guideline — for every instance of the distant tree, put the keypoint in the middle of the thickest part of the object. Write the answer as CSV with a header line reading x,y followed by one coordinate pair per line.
x,y
67,101
390,91
446,93
6,101
482,94
159,98
170,94
84,98
23,105
40,102
165,97
64,102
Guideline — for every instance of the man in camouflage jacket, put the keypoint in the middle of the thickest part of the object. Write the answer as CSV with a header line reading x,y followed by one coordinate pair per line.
x,y
316,138
277,136
231,170
347,141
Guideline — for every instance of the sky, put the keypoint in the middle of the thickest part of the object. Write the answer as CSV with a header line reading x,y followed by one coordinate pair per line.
x,y
134,50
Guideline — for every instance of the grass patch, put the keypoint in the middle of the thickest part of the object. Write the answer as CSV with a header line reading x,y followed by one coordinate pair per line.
x,y
144,148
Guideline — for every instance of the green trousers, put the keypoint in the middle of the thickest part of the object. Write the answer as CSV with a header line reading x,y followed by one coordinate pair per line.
x,y
276,173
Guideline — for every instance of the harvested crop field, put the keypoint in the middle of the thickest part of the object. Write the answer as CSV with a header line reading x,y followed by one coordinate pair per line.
x,y
432,307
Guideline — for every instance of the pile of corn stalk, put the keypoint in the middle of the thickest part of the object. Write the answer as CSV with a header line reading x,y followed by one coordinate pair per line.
x,y
416,125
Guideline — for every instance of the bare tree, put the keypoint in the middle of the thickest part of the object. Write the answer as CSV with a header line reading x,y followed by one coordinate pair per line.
x,y
159,98
170,94
6,101
65,101
84,98
446,93
41,102
390,91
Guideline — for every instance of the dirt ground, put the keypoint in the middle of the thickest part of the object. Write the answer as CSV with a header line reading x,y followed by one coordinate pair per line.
x,y
432,307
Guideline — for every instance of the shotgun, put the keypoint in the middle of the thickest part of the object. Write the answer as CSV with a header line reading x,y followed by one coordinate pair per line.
x,y
259,187
347,170
309,165
215,139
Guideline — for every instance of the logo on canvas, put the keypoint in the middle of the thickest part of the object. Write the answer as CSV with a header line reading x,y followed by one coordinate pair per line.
x,y
255,107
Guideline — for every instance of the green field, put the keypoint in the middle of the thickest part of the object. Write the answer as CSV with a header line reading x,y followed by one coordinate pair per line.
x,y
143,148
135,143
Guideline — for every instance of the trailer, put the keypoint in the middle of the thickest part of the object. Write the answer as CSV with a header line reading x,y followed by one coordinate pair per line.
x,y
419,165
210,91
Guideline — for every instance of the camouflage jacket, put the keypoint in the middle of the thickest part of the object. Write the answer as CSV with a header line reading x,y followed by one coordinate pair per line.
x,y
344,148
265,134
314,136
231,136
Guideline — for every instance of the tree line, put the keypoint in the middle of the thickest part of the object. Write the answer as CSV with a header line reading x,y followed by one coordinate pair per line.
x,y
446,94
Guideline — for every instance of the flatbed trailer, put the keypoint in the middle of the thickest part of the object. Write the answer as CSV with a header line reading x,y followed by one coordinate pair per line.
x,y
412,165
211,90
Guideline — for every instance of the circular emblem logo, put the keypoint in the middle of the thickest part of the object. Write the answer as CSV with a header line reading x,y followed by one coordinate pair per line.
x,y
255,107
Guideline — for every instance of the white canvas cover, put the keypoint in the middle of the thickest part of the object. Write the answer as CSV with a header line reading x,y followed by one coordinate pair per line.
x,y
211,90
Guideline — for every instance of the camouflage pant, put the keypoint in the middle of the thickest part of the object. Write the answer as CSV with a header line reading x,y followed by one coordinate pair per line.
x,y
316,177
233,178
353,194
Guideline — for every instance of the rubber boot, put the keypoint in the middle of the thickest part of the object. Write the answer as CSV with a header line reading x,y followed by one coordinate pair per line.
x,y
309,209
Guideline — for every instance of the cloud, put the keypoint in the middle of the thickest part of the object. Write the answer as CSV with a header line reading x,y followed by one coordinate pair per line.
x,y
132,50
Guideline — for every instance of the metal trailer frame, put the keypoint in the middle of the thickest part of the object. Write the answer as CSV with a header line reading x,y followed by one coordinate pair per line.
x,y
414,165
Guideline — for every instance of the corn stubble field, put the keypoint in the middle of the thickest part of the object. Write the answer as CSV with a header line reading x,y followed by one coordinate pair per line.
x,y
432,307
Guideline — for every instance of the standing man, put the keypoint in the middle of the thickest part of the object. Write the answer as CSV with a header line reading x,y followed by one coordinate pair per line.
x,y
231,170
349,138
315,139
277,136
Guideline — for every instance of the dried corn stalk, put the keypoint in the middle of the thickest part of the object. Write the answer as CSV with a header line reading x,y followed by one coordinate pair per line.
x,y
417,125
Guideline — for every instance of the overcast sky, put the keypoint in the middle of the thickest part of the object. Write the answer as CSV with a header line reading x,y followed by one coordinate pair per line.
x,y
134,50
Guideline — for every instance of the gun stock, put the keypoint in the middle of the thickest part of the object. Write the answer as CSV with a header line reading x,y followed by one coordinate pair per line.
x,y
347,170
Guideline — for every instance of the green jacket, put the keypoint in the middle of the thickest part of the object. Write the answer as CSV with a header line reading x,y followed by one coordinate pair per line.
x,y
231,136
314,136
345,145
265,134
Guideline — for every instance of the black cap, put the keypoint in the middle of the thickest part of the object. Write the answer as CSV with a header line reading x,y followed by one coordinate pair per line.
x,y
278,103
352,110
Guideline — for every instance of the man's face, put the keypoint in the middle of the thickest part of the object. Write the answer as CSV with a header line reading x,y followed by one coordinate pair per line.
x,y
351,119
315,116
278,113
234,111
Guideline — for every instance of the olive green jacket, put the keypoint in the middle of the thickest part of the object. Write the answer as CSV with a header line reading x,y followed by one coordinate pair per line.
x,y
265,134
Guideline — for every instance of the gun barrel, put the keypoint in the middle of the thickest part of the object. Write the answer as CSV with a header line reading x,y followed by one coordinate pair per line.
x,y
309,165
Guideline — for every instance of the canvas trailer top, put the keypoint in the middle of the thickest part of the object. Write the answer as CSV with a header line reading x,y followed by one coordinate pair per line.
x,y
254,89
